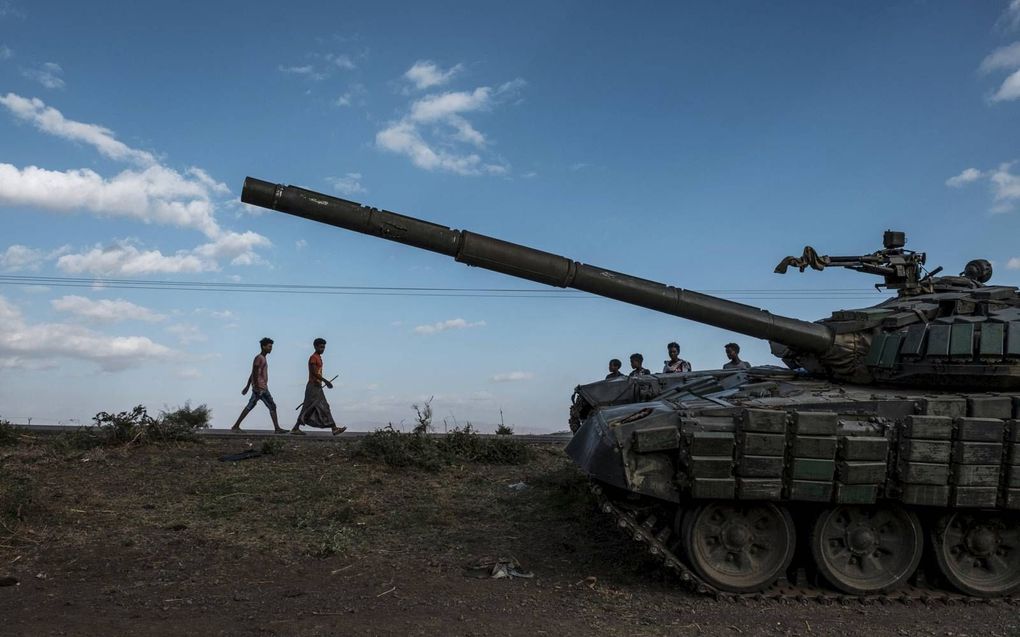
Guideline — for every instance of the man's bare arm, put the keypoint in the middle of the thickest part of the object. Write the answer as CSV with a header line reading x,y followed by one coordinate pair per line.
x,y
314,373
251,378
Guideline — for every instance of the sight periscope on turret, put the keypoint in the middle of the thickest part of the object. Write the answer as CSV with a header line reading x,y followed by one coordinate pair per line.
x,y
890,440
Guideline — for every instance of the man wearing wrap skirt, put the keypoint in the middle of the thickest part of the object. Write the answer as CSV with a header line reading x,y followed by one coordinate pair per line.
x,y
315,410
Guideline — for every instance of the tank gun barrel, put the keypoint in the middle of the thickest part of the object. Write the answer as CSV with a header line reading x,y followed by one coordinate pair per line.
x,y
535,265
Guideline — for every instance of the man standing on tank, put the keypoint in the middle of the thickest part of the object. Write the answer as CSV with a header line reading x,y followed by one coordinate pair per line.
x,y
614,369
637,365
258,381
733,354
675,363
315,410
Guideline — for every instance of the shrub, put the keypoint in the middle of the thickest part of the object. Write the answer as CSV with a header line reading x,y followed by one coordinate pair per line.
x,y
137,427
424,417
8,435
462,444
182,423
402,450
504,430
123,427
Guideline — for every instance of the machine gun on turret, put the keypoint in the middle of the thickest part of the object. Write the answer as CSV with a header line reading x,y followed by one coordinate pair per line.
x,y
901,268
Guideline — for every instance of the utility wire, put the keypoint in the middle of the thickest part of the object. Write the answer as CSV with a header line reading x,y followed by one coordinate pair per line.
x,y
365,290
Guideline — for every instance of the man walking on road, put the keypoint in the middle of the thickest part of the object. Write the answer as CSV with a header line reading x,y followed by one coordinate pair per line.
x,y
315,410
258,381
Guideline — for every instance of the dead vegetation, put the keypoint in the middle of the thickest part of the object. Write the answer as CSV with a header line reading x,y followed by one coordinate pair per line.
x,y
137,427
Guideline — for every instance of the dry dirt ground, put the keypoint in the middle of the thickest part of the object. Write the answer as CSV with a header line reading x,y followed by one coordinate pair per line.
x,y
314,540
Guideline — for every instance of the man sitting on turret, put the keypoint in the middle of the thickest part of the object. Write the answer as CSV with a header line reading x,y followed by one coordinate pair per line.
x,y
614,369
733,353
636,362
675,363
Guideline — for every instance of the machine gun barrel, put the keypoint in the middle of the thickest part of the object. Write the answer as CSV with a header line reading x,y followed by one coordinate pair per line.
x,y
535,265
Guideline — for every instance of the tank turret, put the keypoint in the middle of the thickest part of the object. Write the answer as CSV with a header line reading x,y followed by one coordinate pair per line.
x,y
951,331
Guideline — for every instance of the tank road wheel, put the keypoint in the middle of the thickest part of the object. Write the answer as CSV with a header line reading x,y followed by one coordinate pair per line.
x,y
866,549
979,553
739,547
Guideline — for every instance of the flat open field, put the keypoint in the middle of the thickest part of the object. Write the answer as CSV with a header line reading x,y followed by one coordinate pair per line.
x,y
317,540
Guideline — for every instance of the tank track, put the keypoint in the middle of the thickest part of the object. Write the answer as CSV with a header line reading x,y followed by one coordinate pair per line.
x,y
650,532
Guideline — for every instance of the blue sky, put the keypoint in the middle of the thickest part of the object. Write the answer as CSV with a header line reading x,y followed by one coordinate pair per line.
x,y
691,143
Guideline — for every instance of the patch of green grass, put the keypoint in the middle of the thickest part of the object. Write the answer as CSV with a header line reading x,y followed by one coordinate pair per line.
x,y
397,449
462,444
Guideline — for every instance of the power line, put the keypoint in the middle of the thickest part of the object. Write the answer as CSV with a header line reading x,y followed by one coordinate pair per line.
x,y
759,294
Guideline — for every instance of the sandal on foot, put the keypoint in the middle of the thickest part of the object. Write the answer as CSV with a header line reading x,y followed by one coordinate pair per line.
x,y
339,430
296,432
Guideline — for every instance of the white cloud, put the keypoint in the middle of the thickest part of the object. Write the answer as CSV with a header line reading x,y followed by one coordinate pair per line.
x,y
188,373
1005,186
967,176
343,100
5,52
127,260
442,116
224,315
403,138
24,345
1009,90
300,244
238,247
48,75
451,324
509,377
1010,18
9,9
348,185
154,195
187,333
437,107
124,258
105,310
307,71
50,120
426,74
341,61
1006,57
1014,263
19,257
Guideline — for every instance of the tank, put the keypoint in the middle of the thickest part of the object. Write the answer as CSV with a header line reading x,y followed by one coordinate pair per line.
x,y
881,461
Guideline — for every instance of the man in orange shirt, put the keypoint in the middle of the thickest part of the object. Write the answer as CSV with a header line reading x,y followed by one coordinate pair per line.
x,y
315,410
258,381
